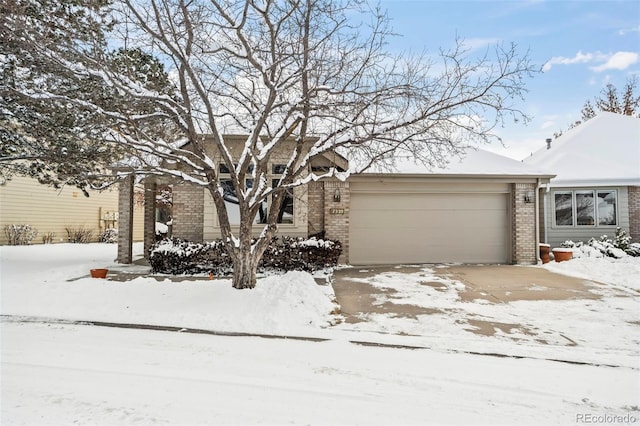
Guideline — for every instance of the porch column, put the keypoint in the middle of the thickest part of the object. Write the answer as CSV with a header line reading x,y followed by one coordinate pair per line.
x,y
524,238
125,220
336,214
149,214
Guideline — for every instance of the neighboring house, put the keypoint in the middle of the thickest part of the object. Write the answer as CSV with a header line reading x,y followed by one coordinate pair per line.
x,y
480,209
597,187
25,201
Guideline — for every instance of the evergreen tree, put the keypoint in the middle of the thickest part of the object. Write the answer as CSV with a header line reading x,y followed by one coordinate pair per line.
x,y
53,120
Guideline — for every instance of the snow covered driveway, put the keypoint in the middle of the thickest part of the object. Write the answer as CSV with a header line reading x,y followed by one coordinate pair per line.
x,y
519,311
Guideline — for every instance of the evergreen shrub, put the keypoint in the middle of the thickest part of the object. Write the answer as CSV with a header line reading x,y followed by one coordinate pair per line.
x,y
175,256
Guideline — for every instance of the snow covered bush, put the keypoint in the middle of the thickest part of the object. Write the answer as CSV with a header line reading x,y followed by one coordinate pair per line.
x,y
301,254
634,249
20,235
109,235
175,256
621,239
617,248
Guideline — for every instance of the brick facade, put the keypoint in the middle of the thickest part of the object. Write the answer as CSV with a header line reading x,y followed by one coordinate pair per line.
x,y
333,217
188,212
336,214
523,232
315,203
634,213
149,215
125,220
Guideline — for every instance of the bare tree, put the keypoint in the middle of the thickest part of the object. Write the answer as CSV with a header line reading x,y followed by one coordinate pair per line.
x,y
306,76
609,100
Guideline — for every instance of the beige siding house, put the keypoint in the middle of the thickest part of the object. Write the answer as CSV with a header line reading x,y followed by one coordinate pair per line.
x,y
25,201
479,209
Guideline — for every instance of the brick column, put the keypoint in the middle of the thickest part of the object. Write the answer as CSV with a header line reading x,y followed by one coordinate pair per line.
x,y
336,215
149,215
315,207
125,220
634,213
524,250
188,212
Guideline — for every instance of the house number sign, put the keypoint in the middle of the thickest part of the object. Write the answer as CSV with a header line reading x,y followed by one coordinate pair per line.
x,y
336,211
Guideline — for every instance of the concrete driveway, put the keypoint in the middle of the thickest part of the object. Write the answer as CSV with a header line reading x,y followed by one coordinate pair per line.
x,y
494,283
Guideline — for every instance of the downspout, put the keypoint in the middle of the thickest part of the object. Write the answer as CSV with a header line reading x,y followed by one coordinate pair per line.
x,y
546,209
537,220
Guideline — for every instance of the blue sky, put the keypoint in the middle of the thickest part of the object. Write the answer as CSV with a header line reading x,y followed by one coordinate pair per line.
x,y
580,45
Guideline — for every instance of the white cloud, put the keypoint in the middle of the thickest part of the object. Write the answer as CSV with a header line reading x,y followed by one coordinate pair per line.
x,y
618,61
580,58
611,61
626,31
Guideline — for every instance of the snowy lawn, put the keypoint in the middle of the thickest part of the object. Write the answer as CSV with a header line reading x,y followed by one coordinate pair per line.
x,y
63,374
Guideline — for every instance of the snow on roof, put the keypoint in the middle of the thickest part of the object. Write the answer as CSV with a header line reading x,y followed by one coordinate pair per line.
x,y
605,150
474,162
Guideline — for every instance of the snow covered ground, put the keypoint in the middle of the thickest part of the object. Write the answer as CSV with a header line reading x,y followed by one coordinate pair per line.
x,y
60,373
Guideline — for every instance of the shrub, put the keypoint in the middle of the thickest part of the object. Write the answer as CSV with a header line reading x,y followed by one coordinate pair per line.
x,y
621,240
79,234
619,247
634,249
20,235
175,256
109,235
48,237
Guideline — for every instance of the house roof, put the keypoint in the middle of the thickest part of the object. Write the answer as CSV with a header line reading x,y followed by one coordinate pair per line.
x,y
474,162
603,151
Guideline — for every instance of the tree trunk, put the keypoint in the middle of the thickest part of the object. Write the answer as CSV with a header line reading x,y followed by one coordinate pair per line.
x,y
244,269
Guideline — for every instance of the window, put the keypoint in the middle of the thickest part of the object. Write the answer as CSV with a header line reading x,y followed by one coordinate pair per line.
x,y
285,215
586,208
607,211
564,208
232,204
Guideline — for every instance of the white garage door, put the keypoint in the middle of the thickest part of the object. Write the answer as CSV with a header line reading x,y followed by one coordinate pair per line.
x,y
392,228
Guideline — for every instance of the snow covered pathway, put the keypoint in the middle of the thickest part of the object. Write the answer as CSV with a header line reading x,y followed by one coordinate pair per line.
x,y
70,374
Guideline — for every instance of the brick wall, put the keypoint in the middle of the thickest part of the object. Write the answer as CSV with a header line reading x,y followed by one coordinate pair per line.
x,y
315,203
523,243
634,213
149,215
336,222
125,220
188,212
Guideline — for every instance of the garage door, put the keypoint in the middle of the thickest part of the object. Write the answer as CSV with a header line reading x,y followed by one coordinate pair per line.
x,y
392,228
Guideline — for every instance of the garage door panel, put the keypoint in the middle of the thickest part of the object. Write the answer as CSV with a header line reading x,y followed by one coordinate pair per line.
x,y
427,201
425,228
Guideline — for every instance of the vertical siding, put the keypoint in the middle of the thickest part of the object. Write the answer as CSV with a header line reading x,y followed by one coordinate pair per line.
x,y
556,235
24,201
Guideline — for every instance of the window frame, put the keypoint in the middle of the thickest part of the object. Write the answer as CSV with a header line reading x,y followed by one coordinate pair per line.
x,y
595,205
